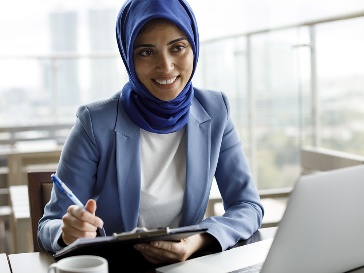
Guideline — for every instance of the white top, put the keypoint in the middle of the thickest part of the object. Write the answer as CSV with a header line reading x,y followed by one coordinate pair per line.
x,y
163,178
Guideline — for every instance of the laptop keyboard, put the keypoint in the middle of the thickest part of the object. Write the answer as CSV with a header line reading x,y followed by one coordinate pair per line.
x,y
256,268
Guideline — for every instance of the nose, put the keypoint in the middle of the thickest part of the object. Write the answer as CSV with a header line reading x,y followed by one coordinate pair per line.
x,y
165,63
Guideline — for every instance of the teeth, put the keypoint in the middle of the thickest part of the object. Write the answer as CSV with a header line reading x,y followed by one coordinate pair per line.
x,y
166,81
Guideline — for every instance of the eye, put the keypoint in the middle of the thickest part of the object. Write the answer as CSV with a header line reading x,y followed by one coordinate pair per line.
x,y
178,47
144,52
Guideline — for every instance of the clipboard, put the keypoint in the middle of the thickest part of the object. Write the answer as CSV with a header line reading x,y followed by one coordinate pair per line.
x,y
119,243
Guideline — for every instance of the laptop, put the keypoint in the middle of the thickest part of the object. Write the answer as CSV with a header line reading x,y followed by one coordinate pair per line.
x,y
322,230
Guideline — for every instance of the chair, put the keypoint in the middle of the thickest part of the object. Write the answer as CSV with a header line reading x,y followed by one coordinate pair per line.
x,y
39,191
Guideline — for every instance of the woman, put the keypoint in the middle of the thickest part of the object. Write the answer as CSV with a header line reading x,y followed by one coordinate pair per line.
x,y
148,155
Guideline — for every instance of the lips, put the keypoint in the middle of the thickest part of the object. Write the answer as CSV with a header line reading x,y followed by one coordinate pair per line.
x,y
166,81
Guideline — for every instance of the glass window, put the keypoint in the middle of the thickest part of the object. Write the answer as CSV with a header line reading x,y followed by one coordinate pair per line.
x,y
340,80
277,107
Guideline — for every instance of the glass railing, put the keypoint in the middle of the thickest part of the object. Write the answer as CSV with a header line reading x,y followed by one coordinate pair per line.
x,y
287,87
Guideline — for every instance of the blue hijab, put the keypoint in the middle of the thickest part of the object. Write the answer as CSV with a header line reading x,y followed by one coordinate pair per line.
x,y
145,110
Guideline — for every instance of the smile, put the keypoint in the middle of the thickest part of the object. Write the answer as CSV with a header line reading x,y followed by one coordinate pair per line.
x,y
164,82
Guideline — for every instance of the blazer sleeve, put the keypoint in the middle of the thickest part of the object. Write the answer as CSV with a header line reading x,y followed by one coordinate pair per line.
x,y
243,209
79,153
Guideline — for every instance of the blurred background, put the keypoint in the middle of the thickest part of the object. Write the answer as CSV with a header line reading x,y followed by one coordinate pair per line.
x,y
292,69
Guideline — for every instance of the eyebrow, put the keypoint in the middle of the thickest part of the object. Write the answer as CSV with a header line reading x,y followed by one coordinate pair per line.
x,y
170,43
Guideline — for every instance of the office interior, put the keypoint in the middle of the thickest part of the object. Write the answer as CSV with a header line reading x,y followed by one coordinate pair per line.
x,y
292,70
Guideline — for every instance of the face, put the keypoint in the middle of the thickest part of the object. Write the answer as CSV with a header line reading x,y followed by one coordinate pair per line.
x,y
163,59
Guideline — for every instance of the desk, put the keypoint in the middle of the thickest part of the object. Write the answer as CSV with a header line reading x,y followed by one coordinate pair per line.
x,y
38,262
35,262
4,264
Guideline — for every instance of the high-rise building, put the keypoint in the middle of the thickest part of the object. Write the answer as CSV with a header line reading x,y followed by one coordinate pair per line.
x,y
105,76
65,77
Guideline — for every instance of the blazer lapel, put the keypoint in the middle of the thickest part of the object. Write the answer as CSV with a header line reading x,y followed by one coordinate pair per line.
x,y
128,168
198,150
128,165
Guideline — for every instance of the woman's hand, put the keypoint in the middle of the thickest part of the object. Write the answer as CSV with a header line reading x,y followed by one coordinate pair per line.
x,y
160,252
80,223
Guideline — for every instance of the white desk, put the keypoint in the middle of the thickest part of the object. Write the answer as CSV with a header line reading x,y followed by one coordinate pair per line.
x,y
35,262
4,264
38,262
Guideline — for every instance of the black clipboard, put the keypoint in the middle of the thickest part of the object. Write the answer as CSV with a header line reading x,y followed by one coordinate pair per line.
x,y
121,244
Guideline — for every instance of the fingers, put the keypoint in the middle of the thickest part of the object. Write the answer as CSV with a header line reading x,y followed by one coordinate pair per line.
x,y
91,206
80,223
70,234
163,251
87,215
155,255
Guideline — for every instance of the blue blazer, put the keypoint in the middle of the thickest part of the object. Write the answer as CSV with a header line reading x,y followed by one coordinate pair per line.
x,y
101,160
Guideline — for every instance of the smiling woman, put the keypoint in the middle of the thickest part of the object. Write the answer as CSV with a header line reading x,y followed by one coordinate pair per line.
x,y
167,134
152,151
163,59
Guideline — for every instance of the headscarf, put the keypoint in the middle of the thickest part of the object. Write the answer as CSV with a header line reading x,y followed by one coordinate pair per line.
x,y
145,110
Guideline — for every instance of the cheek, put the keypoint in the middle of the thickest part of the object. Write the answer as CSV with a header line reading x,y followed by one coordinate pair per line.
x,y
141,69
185,61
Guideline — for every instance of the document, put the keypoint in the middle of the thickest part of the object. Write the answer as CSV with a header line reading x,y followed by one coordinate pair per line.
x,y
119,242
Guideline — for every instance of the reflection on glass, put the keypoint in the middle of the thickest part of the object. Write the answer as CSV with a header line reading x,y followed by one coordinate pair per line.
x,y
266,75
340,73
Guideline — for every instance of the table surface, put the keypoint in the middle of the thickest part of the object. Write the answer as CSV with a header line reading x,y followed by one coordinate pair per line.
x,y
35,262
38,262
4,265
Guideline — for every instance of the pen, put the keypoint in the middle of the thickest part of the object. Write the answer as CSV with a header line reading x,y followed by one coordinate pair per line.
x,y
63,188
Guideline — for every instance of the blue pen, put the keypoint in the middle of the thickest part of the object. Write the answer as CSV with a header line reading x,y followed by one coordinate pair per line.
x,y
63,188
